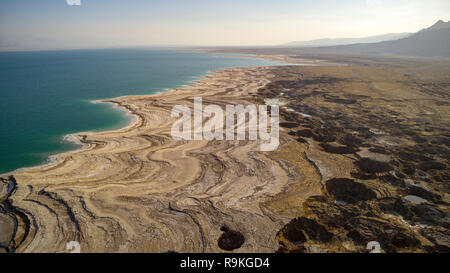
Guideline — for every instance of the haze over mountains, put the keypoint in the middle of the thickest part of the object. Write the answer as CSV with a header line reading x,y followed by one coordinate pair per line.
x,y
428,42
347,41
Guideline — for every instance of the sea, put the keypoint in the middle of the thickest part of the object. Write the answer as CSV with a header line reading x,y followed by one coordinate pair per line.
x,y
45,95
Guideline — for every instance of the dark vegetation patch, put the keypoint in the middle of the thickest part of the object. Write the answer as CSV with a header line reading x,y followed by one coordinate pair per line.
x,y
335,99
378,149
374,229
338,149
427,213
350,140
441,141
372,166
293,233
344,189
302,229
394,181
408,170
439,236
305,133
230,239
364,132
289,116
445,141
289,124
421,192
363,176
419,139
399,174
318,80
324,135
412,156
397,205
430,149
432,165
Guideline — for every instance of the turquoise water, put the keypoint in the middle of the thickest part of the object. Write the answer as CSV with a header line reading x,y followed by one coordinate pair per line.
x,y
46,95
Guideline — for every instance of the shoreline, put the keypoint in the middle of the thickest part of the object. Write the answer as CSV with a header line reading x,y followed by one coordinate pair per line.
x,y
74,139
48,157
143,153
138,190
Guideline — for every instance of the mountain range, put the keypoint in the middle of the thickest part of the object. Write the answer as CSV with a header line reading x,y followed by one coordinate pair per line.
x,y
433,41
347,41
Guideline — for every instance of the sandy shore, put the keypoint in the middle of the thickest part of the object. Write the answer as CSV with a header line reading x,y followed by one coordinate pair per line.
x,y
137,189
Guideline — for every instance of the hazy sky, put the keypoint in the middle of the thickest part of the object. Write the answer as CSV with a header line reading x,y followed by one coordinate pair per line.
x,y
106,23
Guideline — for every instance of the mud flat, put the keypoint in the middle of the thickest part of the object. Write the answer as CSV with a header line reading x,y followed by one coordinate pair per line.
x,y
355,141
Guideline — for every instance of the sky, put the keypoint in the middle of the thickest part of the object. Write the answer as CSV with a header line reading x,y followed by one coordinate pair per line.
x,y
45,24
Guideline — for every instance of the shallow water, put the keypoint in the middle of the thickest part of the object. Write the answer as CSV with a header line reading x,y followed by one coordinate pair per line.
x,y
47,94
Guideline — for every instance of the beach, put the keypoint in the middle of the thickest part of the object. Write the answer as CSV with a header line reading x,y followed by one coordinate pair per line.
x,y
137,189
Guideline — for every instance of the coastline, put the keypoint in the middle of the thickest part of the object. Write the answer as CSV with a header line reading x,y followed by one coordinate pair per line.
x,y
138,190
99,148
32,144
75,139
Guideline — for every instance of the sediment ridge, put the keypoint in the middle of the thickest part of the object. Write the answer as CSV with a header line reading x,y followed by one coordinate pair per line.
x,y
355,141
137,189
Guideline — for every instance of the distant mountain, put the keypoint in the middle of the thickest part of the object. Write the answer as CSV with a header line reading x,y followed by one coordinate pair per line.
x,y
438,25
347,41
431,42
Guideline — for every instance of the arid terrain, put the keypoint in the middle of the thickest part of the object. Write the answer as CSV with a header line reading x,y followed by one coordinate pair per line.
x,y
363,157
